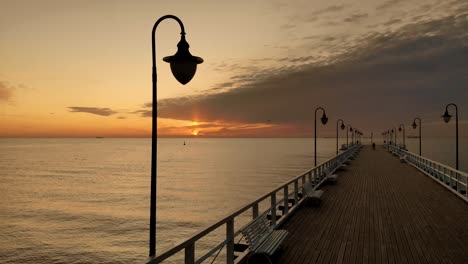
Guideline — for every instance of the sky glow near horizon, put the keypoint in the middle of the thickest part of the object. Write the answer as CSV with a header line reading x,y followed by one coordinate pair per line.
x,y
83,68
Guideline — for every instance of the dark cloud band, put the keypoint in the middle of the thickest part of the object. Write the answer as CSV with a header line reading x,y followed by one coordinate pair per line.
x,y
92,110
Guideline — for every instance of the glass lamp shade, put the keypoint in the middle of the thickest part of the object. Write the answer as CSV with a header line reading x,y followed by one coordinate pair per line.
x,y
446,117
183,64
342,126
324,119
414,125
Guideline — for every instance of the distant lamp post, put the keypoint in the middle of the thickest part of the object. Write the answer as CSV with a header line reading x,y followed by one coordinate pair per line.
x,y
342,128
354,136
394,135
348,129
414,125
404,135
447,117
324,120
183,67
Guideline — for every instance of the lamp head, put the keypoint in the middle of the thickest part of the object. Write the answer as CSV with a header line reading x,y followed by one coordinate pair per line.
x,y
350,129
342,126
324,118
446,116
392,131
183,64
399,129
414,124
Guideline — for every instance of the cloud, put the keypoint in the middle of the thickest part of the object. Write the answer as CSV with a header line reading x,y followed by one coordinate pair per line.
x,y
355,18
6,92
92,110
392,22
389,4
387,77
300,17
144,113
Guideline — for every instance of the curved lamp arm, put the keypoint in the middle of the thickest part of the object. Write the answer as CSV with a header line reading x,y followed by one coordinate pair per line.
x,y
153,35
454,105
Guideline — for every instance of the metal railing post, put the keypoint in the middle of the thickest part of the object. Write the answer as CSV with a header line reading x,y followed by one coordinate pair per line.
x,y
296,192
466,186
190,254
273,209
286,200
230,241
255,211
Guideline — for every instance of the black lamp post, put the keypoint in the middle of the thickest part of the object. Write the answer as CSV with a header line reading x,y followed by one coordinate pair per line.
x,y
324,120
183,67
394,135
342,128
447,117
348,128
414,127
354,136
404,136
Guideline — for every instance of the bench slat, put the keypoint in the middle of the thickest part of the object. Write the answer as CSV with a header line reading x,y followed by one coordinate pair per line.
x,y
262,238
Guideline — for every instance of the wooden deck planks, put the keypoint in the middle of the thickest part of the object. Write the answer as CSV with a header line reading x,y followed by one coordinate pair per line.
x,y
380,211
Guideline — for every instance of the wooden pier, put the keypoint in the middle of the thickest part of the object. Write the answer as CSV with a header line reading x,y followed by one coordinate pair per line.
x,y
380,211
388,206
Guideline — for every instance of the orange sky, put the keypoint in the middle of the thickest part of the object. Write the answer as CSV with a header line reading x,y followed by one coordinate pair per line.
x,y
83,68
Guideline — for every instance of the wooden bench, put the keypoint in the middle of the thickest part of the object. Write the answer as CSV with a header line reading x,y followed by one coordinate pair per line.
x,y
332,178
263,239
403,159
314,197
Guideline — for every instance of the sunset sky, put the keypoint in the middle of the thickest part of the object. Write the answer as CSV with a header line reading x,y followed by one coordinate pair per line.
x,y
83,68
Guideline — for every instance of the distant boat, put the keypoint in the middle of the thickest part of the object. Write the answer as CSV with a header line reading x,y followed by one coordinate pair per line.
x,y
184,142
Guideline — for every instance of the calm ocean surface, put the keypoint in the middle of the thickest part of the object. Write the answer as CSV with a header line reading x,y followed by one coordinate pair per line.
x,y
87,200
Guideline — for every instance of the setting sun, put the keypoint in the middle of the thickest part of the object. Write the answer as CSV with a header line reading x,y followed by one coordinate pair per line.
x,y
195,132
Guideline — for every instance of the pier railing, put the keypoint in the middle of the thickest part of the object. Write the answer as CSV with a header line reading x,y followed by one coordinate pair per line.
x,y
454,180
278,212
